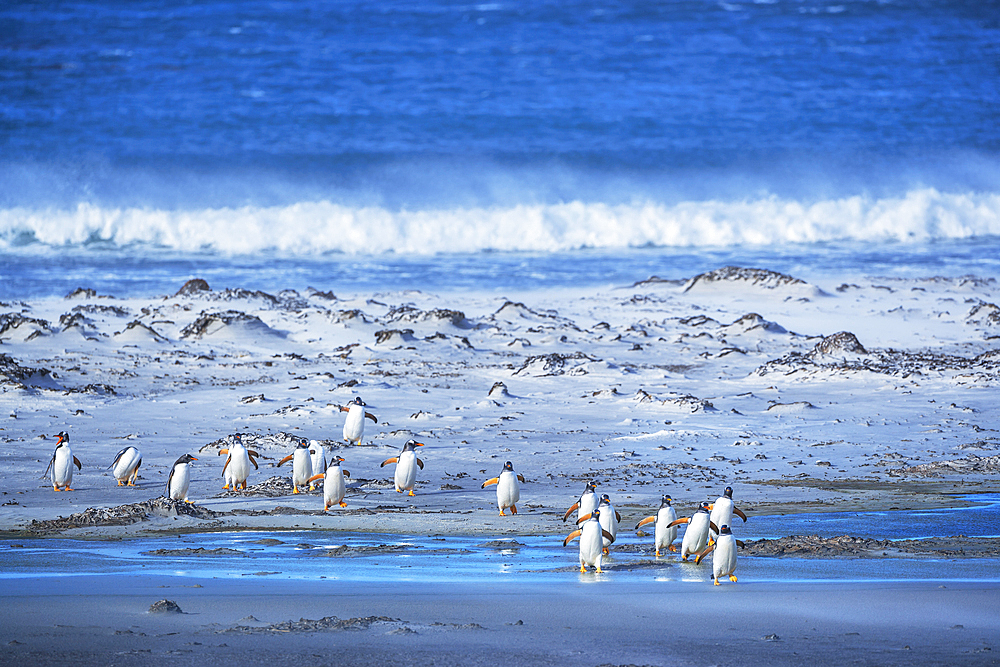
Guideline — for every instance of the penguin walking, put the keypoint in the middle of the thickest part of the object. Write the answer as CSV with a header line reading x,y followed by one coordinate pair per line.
x,y
317,456
237,467
406,466
61,464
508,491
610,518
334,485
696,534
724,558
179,479
301,466
723,510
125,467
664,532
354,425
592,536
586,504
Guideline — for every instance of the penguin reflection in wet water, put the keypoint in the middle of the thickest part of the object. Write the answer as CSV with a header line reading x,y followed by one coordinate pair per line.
x,y
406,467
592,536
508,491
61,464
125,467
665,532
696,534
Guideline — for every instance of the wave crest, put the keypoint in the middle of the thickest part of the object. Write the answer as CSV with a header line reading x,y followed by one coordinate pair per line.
x,y
322,227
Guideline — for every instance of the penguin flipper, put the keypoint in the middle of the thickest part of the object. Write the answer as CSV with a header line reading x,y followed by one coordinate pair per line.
x,y
394,459
582,519
701,554
648,519
77,462
738,512
346,473
252,456
712,525
371,416
618,516
741,544
48,467
118,457
223,451
520,478
608,536
170,478
572,509
493,480
315,477
572,536
678,522
285,460
344,408
420,464
228,459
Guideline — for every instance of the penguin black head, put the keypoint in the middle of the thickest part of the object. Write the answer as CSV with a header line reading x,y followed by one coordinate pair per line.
x,y
595,515
589,488
238,437
704,506
61,438
728,493
187,458
410,444
303,444
605,499
508,466
665,500
724,530
357,401
337,460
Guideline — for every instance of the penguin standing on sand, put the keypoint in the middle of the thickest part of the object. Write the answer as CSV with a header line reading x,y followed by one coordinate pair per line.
x,y
724,558
354,425
180,479
61,464
696,534
610,518
301,466
237,467
664,536
406,466
508,491
334,485
125,467
317,456
586,504
723,510
592,536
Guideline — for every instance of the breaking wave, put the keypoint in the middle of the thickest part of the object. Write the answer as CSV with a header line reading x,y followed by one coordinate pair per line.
x,y
312,228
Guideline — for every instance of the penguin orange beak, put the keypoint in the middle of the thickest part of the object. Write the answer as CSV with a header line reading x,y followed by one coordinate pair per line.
x,y
418,444
193,458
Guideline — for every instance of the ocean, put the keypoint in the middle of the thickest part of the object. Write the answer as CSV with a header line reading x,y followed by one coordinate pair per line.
x,y
497,146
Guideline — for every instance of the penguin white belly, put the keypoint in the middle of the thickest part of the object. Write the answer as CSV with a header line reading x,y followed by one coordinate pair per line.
x,y
125,467
591,544
724,557
609,522
239,465
354,425
406,471
334,487
508,492
664,536
62,467
180,481
722,512
301,467
696,535
588,503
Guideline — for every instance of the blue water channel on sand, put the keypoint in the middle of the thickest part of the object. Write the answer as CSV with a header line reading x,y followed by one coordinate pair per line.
x,y
306,555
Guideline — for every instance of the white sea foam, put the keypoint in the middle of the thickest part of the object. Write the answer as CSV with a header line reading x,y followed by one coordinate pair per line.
x,y
318,227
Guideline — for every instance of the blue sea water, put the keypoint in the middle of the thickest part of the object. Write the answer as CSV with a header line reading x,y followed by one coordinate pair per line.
x,y
439,144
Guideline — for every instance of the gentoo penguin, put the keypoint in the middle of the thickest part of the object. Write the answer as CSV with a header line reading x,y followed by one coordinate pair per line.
x,y
696,535
318,457
180,479
62,463
508,492
723,509
334,486
586,504
724,560
406,466
610,519
354,425
125,467
237,467
301,466
592,536
664,536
